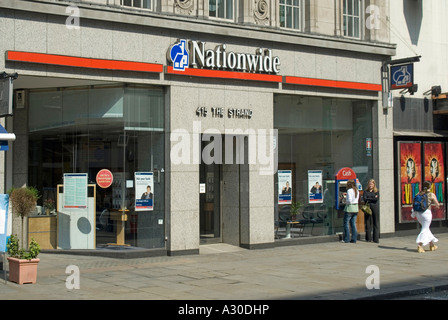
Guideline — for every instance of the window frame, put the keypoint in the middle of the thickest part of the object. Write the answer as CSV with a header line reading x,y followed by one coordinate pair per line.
x,y
346,17
151,4
225,17
299,7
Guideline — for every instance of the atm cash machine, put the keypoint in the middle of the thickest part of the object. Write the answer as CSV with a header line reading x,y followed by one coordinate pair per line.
x,y
342,176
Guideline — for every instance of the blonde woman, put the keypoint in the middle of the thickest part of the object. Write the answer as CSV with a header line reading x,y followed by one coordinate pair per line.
x,y
425,236
372,221
351,212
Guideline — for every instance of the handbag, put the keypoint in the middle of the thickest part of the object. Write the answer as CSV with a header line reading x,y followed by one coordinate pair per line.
x,y
366,208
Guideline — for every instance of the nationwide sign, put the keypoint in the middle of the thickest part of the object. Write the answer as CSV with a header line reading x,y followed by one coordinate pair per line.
x,y
193,54
402,76
254,67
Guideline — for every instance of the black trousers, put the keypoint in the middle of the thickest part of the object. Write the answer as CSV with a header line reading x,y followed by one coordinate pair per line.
x,y
372,224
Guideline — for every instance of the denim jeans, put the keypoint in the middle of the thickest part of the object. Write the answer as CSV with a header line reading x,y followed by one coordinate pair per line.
x,y
350,222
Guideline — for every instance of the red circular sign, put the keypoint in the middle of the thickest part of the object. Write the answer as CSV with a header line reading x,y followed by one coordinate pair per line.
x,y
104,178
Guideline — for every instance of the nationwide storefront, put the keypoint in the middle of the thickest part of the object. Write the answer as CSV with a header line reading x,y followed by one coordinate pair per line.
x,y
147,137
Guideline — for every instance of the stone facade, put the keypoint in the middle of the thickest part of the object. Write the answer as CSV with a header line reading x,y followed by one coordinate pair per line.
x,y
110,31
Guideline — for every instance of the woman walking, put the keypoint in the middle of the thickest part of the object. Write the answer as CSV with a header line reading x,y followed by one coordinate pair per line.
x,y
372,221
425,236
351,212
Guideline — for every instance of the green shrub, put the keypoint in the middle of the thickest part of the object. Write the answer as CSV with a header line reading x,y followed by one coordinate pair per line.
x,y
15,252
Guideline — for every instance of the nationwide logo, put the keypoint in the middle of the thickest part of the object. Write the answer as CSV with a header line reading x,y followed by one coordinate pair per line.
x,y
195,55
179,56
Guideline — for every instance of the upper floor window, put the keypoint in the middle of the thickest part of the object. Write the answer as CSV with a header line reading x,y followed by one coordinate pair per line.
x,y
144,4
290,14
220,9
351,18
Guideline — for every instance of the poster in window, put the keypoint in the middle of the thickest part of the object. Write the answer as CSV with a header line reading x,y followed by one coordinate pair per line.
x,y
435,173
410,177
75,190
315,186
144,191
284,187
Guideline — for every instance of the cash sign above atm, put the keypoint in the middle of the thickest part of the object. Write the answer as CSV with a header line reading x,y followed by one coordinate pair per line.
x,y
342,176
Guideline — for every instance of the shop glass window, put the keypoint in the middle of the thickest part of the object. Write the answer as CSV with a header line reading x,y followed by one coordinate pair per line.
x,y
144,4
320,136
87,129
352,18
221,9
290,14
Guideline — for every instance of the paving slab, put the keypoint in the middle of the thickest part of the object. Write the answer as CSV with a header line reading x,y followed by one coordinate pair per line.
x,y
319,271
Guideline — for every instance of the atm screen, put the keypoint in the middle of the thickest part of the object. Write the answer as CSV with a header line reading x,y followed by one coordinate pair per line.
x,y
342,192
343,186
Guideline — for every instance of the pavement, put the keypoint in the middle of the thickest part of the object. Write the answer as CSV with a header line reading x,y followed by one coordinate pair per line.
x,y
318,271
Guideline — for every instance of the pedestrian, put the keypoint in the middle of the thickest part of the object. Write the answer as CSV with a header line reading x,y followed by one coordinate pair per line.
x,y
425,236
351,212
372,221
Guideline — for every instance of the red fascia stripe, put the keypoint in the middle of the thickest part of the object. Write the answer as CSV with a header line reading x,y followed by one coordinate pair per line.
x,y
394,86
53,59
332,83
207,73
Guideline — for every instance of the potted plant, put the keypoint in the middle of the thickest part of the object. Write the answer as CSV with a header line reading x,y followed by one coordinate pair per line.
x,y
22,263
295,207
49,206
23,200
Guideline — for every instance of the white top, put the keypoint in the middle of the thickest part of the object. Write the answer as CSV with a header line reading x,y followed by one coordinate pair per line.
x,y
351,198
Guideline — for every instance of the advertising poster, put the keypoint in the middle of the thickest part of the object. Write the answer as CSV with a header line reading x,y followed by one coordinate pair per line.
x,y
144,191
284,187
434,173
315,186
410,177
4,203
75,190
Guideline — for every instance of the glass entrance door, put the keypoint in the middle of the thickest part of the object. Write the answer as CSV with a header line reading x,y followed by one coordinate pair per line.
x,y
210,203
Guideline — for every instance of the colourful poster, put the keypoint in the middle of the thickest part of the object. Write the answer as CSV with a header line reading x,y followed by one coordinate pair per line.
x,y
435,173
284,187
315,186
144,191
410,177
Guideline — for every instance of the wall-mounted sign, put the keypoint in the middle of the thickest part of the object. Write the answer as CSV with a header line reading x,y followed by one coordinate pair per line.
x,y
232,113
193,54
104,178
6,94
402,76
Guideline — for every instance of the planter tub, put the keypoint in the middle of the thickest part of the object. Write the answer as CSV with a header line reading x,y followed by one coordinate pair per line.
x,y
23,271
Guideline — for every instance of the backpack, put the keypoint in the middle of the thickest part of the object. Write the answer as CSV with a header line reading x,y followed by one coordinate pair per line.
x,y
421,202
